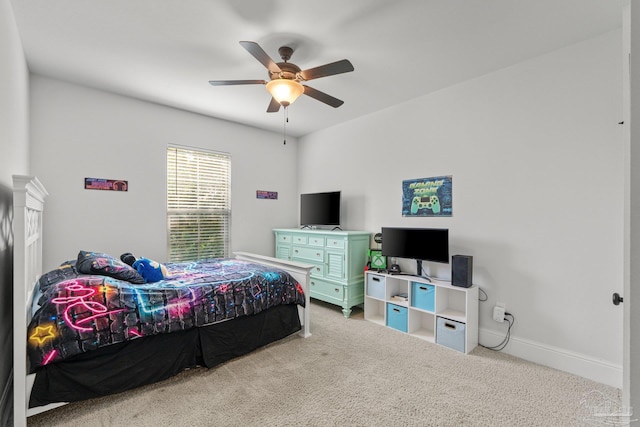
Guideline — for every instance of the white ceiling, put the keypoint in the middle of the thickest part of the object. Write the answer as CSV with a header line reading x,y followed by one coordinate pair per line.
x,y
166,51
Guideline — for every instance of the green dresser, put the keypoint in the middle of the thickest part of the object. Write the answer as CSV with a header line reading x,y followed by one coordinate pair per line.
x,y
339,258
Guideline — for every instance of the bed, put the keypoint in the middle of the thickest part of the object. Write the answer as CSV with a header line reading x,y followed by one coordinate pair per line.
x,y
81,334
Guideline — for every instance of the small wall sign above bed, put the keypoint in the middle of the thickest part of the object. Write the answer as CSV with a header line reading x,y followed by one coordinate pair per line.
x,y
105,184
261,194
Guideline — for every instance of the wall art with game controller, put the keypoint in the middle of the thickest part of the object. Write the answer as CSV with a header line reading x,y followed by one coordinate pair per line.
x,y
427,196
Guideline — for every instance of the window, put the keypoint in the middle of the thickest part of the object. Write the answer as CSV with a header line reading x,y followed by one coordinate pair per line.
x,y
198,204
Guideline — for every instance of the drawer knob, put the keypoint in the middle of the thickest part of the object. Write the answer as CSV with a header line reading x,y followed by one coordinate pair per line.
x,y
336,289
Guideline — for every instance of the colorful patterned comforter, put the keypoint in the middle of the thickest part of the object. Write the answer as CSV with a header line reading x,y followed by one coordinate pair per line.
x,y
87,312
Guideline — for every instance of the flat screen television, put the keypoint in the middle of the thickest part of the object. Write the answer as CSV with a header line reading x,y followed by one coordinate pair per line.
x,y
421,244
320,209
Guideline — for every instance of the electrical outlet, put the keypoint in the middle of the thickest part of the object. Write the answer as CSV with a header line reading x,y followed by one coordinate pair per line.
x,y
498,312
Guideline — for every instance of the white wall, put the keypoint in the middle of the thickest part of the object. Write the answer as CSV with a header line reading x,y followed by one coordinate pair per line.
x,y
14,153
536,156
79,132
14,85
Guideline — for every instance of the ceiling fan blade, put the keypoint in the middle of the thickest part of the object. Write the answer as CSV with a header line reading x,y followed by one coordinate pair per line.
x,y
322,97
274,106
254,49
338,67
236,82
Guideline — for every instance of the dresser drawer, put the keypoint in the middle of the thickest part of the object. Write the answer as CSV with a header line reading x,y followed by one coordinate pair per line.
x,y
304,253
317,270
316,241
300,240
284,238
326,291
335,243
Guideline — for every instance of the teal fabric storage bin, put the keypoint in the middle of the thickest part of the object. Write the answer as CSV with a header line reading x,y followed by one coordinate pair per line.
x,y
422,296
450,333
397,317
375,286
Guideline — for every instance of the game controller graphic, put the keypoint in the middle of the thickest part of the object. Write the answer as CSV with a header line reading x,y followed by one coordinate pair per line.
x,y
431,202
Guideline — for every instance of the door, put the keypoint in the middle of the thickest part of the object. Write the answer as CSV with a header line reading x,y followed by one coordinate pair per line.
x,y
335,265
631,135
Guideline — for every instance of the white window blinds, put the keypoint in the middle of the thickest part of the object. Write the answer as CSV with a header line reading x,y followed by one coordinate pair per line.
x,y
198,204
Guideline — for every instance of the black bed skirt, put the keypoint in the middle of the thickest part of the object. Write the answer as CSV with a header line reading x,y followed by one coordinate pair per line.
x,y
124,366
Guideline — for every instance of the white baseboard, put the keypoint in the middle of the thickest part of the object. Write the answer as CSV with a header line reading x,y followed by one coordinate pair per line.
x,y
557,358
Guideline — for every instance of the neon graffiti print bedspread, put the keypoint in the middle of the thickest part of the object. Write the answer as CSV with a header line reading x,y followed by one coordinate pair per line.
x,y
87,312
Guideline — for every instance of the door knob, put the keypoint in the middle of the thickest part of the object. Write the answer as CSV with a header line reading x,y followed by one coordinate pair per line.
x,y
617,299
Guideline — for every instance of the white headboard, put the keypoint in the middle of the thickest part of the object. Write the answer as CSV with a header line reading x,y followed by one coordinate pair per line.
x,y
28,206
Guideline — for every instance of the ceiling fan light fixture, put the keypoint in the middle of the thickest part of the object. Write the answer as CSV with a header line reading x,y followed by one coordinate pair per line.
x,y
285,91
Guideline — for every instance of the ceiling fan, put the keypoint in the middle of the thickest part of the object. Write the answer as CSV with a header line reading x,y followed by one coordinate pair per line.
x,y
285,77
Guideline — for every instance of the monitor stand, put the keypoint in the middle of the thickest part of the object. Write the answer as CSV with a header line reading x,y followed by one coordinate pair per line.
x,y
419,270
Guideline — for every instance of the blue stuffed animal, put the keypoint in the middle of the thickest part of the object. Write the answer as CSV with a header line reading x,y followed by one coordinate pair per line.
x,y
151,271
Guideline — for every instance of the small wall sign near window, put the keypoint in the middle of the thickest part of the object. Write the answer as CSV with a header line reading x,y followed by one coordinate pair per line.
x,y
427,196
261,194
105,184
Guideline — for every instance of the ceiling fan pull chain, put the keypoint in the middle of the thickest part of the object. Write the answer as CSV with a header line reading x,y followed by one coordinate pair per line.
x,y
284,124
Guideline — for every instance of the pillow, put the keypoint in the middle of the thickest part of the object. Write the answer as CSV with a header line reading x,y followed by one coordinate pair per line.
x,y
151,271
106,265
67,270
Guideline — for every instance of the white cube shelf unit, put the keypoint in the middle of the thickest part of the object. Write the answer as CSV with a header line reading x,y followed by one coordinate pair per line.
x,y
434,311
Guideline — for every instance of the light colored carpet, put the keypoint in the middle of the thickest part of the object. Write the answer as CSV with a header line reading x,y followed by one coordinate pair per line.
x,y
350,372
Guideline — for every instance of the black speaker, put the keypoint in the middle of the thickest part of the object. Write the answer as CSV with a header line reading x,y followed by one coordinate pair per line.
x,y
461,270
